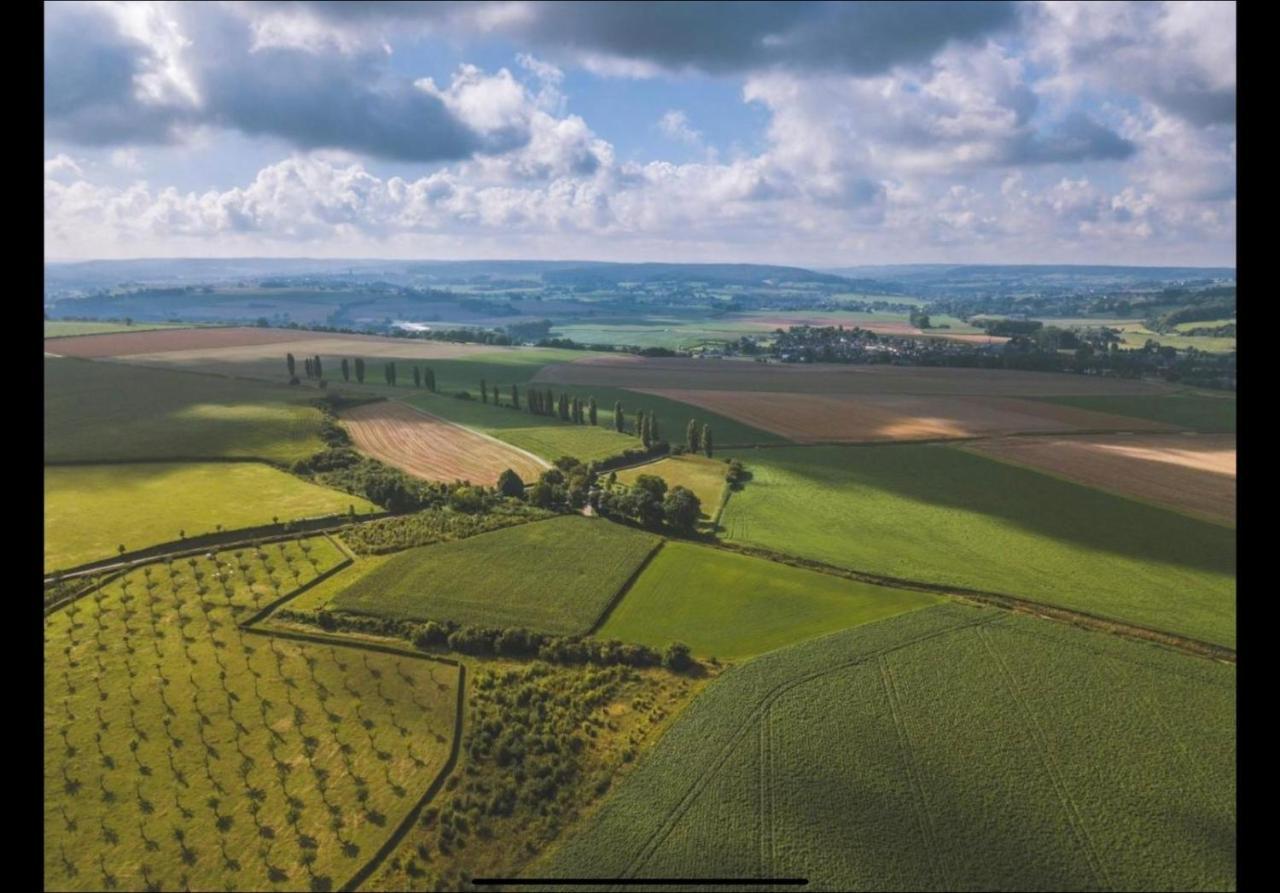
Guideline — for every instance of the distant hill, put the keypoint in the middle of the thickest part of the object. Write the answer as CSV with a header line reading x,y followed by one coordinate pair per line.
x,y
935,278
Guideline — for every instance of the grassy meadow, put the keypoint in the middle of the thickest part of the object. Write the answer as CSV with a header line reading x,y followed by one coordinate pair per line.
x,y
705,477
942,515
183,752
108,411
90,510
938,750
554,576
732,606
1209,415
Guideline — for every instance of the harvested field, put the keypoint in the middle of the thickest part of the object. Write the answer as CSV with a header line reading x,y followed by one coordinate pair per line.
x,y
1194,473
818,418
430,447
828,378
164,340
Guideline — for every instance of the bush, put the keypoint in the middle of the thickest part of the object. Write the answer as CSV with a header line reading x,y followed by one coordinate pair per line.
x,y
676,657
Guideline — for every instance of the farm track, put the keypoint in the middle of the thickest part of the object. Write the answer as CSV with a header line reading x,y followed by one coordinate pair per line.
x,y
250,627
664,830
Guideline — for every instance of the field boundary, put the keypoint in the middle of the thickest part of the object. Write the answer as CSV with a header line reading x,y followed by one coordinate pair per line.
x,y
625,588
1000,600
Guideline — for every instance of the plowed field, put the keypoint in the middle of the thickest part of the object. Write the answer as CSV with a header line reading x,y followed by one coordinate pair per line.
x,y
431,448
1192,473
163,340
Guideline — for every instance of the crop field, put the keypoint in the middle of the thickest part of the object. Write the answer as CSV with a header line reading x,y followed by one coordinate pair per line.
x,y
672,415
938,750
1210,415
165,340
619,371
89,510
554,576
819,418
705,477
1137,334
430,447
110,411
1192,473
183,752
943,515
66,328
733,606
541,435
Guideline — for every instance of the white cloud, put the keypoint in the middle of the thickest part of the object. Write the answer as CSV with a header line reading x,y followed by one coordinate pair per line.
x,y
61,164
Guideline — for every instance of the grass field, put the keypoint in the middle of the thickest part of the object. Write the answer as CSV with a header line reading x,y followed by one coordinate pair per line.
x,y
547,437
952,748
943,515
89,510
1206,414
554,576
181,752
1137,334
705,477
105,411
58,328
732,606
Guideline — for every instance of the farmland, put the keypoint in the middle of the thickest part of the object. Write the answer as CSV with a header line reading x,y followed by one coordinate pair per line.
x,y
431,448
943,515
731,606
938,750
183,751
1195,474
817,418
705,477
108,411
166,340
1207,414
554,576
92,509
57,328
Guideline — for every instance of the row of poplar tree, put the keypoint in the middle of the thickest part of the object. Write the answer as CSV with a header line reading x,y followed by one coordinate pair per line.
x,y
314,368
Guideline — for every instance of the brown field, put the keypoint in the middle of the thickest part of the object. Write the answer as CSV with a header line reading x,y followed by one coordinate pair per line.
x,y
431,448
164,340
641,373
819,418
1195,473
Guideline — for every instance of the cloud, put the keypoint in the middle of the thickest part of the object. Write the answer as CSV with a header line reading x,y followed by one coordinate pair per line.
x,y
675,125
62,165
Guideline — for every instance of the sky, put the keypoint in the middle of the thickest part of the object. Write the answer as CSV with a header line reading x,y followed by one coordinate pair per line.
x,y
821,134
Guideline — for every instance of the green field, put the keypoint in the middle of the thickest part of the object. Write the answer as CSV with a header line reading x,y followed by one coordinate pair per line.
x,y
732,606
942,515
953,748
181,752
705,477
1137,334
1205,414
57,328
104,411
543,436
91,509
554,576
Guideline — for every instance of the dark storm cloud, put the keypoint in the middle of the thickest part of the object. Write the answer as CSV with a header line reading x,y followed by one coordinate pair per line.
x,y
313,100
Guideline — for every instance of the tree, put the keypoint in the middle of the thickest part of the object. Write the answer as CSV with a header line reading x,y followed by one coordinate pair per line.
x,y
417,377
319,368
509,484
431,380
681,509
706,440
290,362
120,548
360,370
676,657
306,366
651,483
643,422
542,495
346,370
691,435
619,423
515,397
391,374
484,392
653,427
591,410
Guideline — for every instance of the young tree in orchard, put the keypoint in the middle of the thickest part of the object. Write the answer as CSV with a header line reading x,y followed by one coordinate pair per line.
x,y
706,440
360,370
290,362
619,423
346,370
591,410
691,436
417,377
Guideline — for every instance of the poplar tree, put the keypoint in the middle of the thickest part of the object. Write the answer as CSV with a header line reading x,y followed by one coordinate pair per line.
x,y
431,380
306,366
319,368
643,423
619,422
515,397
417,377
691,436
653,427
290,362
346,370
706,440
484,392
591,410
359,370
